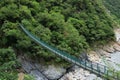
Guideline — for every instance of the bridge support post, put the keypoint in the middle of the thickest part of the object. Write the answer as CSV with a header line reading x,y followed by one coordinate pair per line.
x,y
98,68
104,69
118,77
85,64
92,66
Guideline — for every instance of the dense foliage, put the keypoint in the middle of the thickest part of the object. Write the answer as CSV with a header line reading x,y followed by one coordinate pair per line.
x,y
114,8
70,25
7,64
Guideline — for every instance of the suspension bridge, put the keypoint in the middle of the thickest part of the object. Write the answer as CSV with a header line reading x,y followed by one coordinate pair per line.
x,y
98,69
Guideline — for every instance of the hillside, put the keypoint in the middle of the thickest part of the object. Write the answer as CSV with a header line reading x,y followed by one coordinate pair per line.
x,y
114,8
69,25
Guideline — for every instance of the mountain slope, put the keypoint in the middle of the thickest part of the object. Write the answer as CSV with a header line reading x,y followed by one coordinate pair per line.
x,y
70,25
114,8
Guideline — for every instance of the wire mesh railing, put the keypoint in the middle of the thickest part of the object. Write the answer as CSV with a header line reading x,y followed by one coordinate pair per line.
x,y
96,68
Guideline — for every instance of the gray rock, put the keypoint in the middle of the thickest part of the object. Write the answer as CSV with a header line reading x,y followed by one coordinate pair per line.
x,y
53,72
32,68
26,65
109,48
116,47
92,77
39,67
38,75
103,53
73,68
98,78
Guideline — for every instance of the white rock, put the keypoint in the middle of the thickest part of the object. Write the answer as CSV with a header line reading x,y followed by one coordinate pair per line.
x,y
93,56
87,73
53,72
116,47
104,53
117,34
109,48
98,78
91,77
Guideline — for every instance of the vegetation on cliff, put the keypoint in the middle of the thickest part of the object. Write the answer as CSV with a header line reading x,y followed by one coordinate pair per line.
x,y
113,8
69,25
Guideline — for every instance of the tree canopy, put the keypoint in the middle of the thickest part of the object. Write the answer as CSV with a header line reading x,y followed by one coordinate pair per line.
x,y
113,8
69,25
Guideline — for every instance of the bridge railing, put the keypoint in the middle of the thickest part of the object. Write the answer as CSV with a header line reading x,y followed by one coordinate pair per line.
x,y
99,69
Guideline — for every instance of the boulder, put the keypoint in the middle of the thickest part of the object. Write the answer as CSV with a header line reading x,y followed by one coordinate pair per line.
x,y
103,53
40,71
53,72
92,77
93,56
87,73
68,76
116,47
117,34
118,42
109,48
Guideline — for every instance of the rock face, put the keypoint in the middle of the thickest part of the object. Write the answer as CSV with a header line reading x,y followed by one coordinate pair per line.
x,y
41,72
30,68
38,75
93,77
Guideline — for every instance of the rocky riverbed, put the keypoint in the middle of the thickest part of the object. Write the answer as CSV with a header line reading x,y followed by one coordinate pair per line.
x,y
109,53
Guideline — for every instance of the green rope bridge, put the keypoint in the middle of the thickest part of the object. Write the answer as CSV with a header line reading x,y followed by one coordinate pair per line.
x,y
96,68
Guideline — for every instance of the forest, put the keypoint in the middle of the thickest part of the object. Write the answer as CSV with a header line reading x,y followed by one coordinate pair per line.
x,y
69,25
113,8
